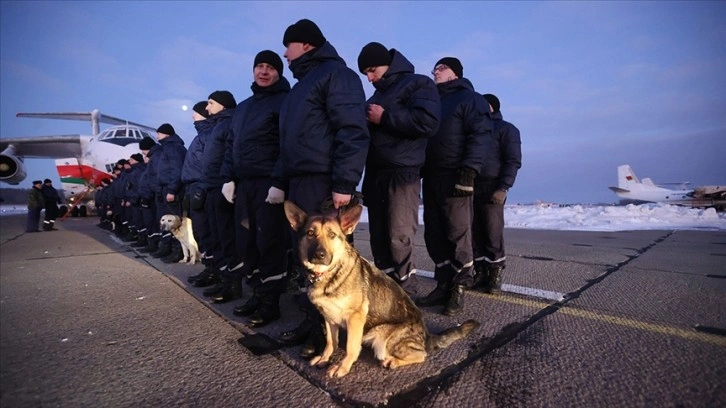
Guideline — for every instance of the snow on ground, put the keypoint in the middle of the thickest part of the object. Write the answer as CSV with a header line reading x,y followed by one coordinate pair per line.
x,y
583,217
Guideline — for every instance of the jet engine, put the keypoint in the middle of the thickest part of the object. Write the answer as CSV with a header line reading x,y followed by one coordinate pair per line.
x,y
12,168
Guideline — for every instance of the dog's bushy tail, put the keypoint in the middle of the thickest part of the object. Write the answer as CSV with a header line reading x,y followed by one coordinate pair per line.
x,y
450,335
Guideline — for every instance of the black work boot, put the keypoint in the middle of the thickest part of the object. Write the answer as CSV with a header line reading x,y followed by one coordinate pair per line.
x,y
439,296
268,311
232,290
152,244
456,301
495,278
164,248
247,308
481,275
207,270
142,240
299,334
218,288
209,279
131,235
315,343
176,254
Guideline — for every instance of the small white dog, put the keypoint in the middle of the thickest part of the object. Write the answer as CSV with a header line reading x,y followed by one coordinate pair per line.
x,y
181,228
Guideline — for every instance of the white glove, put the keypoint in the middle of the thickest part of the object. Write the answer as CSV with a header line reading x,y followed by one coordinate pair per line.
x,y
275,196
228,191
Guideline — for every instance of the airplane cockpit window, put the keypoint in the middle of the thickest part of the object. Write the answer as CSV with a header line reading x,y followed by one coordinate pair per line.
x,y
122,136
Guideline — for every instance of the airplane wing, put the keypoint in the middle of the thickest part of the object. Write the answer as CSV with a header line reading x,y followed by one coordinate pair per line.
x,y
86,116
46,147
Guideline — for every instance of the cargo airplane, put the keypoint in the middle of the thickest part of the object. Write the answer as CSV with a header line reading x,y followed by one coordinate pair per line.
x,y
82,161
630,187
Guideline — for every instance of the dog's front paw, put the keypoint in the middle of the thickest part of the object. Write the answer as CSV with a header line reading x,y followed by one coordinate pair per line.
x,y
338,370
319,361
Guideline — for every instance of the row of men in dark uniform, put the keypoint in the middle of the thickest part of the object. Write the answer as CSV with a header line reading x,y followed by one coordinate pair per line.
x,y
143,188
416,137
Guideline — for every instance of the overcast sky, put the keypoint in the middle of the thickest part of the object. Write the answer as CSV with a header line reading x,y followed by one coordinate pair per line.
x,y
590,85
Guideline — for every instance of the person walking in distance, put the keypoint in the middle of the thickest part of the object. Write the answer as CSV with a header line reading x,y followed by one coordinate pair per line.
x,y
52,199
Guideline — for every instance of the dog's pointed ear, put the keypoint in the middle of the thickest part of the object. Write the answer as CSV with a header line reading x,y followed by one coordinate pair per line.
x,y
295,215
349,218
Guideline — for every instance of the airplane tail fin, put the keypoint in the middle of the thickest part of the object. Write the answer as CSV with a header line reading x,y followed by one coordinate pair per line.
x,y
95,117
627,178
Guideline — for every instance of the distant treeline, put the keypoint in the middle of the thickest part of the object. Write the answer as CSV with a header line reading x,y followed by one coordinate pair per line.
x,y
18,195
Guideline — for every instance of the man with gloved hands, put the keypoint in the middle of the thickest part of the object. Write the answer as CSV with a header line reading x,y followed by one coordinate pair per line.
x,y
454,156
260,225
503,160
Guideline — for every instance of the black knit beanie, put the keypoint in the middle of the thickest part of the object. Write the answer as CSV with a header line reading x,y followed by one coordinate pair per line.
x,y
224,98
146,143
304,31
452,63
269,57
493,101
373,55
166,129
201,108
138,157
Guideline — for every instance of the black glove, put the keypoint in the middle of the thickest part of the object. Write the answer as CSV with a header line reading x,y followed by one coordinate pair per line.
x,y
144,203
465,186
197,199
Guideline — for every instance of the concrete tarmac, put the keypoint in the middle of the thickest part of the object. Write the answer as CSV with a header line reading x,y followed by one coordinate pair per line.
x,y
596,319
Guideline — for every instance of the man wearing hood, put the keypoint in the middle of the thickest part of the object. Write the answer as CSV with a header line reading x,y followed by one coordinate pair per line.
x,y
454,156
402,115
248,164
490,194
323,142
192,174
220,212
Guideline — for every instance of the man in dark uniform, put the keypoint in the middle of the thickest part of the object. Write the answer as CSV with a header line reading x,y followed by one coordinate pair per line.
x,y
503,160
247,170
52,199
403,114
454,156
192,174
36,201
133,199
220,212
167,164
323,143
149,234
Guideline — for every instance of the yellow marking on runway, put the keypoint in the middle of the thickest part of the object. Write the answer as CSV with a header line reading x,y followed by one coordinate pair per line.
x,y
621,321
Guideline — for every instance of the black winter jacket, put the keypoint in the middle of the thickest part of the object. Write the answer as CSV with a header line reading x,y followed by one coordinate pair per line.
x,y
169,161
412,111
50,194
149,183
214,149
504,156
193,168
465,131
255,145
133,179
323,122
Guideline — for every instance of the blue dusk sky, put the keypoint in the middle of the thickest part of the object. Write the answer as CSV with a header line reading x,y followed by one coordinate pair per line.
x,y
590,85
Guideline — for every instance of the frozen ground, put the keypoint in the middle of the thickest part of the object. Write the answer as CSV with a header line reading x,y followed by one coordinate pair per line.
x,y
584,217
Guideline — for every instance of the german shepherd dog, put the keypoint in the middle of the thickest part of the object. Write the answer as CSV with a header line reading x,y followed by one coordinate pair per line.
x,y
353,294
